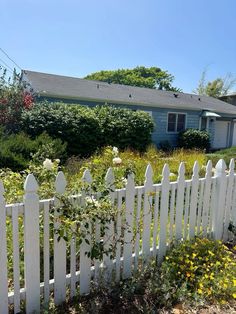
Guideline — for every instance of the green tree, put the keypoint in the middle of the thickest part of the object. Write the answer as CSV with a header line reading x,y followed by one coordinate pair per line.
x,y
141,76
216,88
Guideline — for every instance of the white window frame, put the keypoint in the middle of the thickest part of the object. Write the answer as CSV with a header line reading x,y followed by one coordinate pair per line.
x,y
176,113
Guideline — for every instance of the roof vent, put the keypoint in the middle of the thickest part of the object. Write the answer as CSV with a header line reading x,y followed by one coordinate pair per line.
x,y
97,86
199,99
176,95
130,96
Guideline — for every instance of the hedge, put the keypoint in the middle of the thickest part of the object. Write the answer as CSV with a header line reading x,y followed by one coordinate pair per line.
x,y
87,129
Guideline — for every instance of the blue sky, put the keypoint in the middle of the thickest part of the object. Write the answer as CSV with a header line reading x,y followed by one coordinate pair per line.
x,y
76,38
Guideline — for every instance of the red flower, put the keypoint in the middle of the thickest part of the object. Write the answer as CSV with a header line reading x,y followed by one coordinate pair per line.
x,y
28,100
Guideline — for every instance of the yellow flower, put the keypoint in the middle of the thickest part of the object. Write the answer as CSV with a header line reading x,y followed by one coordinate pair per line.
x,y
234,295
188,274
199,291
234,280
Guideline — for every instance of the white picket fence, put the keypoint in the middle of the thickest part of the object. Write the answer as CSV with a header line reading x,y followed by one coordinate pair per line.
x,y
167,211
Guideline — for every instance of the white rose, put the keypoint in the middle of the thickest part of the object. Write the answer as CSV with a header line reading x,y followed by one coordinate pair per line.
x,y
115,150
57,161
48,164
117,161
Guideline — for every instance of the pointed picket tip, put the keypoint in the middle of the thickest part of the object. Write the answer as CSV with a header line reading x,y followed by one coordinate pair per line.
x,y
181,169
87,176
30,185
60,183
165,171
2,190
231,165
195,168
149,171
209,167
220,167
109,178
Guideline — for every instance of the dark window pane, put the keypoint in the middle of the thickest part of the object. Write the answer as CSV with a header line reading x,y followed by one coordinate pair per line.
x,y
204,124
171,122
181,122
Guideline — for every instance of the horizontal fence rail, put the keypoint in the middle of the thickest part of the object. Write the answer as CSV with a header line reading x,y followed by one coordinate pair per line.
x,y
34,263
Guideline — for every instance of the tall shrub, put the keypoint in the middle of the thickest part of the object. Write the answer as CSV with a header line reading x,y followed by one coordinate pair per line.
x,y
125,128
74,124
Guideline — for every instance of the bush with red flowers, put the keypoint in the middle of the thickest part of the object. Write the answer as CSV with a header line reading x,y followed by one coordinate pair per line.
x,y
14,98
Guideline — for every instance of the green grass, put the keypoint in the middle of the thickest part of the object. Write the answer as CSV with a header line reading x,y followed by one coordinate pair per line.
x,y
225,154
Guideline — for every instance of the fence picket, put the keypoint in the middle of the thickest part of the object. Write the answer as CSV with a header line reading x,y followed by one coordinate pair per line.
x,y
3,255
129,221
46,258
200,205
109,232
221,183
193,201
59,246
206,198
16,258
147,213
180,202
155,221
186,209
85,246
165,187
228,204
31,248
137,240
172,211
118,235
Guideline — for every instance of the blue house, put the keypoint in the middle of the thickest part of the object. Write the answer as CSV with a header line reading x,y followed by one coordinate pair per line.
x,y
171,111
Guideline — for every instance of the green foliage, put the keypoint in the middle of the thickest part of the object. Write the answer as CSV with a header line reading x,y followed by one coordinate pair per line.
x,y
141,76
86,129
216,88
125,128
13,100
76,125
192,138
200,269
18,149
225,154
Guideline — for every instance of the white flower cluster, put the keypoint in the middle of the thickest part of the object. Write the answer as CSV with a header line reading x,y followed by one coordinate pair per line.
x,y
48,163
91,200
116,160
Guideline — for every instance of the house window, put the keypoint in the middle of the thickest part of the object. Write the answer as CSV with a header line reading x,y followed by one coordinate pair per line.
x,y
176,122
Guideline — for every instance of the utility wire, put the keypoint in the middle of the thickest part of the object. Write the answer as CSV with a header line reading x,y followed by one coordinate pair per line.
x,y
10,58
6,65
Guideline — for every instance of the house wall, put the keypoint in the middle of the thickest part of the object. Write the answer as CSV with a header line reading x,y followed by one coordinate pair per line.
x,y
159,115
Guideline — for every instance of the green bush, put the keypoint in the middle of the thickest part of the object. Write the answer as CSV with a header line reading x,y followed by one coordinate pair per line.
x,y
18,149
192,138
86,129
125,128
73,124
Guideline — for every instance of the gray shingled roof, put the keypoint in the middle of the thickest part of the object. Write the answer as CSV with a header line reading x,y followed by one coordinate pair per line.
x,y
75,88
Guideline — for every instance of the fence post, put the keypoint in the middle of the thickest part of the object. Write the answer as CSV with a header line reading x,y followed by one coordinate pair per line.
x,y
31,245
3,255
221,184
59,247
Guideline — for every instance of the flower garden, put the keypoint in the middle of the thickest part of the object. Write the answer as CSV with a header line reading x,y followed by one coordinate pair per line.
x,y
195,273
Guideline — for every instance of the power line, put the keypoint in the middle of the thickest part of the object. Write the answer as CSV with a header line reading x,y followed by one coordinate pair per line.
x,y
7,65
10,58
